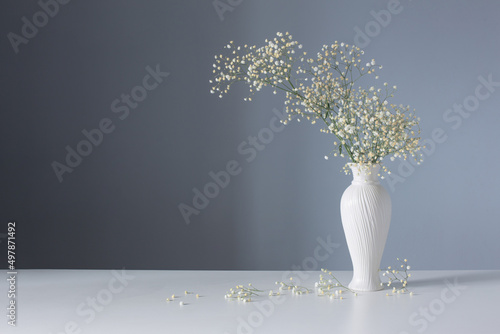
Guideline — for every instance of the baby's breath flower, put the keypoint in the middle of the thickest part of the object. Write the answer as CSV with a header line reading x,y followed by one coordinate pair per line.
x,y
321,88
397,276
241,293
295,289
329,286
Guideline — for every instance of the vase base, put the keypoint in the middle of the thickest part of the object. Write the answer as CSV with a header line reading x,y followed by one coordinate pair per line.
x,y
360,287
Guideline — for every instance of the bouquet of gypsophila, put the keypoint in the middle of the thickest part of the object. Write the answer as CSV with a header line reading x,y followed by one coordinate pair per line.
x,y
366,125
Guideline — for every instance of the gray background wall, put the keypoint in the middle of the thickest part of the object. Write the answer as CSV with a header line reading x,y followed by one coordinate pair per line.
x,y
119,206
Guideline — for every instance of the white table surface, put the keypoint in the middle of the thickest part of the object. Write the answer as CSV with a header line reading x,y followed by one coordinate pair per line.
x,y
59,301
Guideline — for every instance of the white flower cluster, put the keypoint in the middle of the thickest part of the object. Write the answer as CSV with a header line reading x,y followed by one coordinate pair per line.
x,y
327,286
242,293
295,288
398,276
181,303
368,127
330,286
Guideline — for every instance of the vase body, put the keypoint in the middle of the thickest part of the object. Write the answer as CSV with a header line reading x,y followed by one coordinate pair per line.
x,y
365,209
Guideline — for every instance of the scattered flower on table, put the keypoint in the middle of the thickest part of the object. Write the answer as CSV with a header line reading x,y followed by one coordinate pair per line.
x,y
398,278
242,293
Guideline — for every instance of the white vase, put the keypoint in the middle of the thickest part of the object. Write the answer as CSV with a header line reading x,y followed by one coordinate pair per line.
x,y
365,209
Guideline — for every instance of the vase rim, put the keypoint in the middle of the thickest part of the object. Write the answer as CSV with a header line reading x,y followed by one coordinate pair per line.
x,y
365,173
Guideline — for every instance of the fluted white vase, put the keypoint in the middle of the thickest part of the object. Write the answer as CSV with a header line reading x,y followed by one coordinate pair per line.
x,y
365,209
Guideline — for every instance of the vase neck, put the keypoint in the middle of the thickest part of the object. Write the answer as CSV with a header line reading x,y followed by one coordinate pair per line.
x,y
365,174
